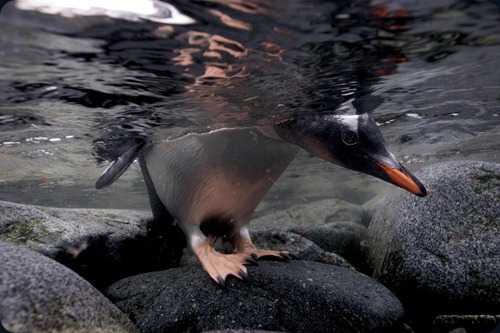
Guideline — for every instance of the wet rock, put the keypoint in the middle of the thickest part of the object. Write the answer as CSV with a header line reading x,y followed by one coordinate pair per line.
x,y
296,296
99,244
302,248
466,323
317,212
40,295
459,330
370,206
347,239
240,331
441,254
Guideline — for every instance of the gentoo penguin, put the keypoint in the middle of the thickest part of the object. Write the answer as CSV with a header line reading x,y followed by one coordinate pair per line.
x,y
211,182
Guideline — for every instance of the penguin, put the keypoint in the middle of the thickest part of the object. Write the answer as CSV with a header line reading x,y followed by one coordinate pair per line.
x,y
211,182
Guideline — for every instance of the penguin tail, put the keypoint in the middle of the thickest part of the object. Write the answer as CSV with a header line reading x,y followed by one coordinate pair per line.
x,y
119,166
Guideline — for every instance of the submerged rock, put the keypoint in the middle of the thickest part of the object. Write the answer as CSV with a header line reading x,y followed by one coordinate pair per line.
x,y
296,296
370,206
240,331
441,254
317,212
102,245
39,295
347,239
302,248
468,323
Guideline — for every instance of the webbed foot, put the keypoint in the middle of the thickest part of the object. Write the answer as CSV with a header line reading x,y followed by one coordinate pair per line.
x,y
219,266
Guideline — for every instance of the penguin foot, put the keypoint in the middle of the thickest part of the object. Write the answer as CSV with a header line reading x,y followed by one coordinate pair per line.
x,y
244,246
257,254
219,265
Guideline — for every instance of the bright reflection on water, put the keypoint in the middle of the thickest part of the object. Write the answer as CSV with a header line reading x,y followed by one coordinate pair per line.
x,y
74,91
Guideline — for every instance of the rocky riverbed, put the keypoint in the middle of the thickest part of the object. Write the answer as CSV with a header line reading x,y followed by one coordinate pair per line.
x,y
408,265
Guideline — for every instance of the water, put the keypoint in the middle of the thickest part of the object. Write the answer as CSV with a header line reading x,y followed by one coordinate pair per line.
x,y
75,89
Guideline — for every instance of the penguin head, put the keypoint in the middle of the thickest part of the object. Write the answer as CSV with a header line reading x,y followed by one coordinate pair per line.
x,y
351,141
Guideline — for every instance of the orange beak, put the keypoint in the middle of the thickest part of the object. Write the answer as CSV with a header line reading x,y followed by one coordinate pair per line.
x,y
404,179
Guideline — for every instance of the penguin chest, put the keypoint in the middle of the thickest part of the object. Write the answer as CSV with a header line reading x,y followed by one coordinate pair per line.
x,y
225,196
219,176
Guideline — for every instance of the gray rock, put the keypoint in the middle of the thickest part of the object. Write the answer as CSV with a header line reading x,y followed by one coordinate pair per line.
x,y
302,248
40,295
317,212
464,323
296,296
240,331
442,251
347,239
370,206
99,244
459,330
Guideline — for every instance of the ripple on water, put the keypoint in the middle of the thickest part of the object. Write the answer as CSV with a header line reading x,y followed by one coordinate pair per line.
x,y
74,91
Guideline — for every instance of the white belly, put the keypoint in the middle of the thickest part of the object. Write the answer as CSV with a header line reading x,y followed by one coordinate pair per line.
x,y
225,173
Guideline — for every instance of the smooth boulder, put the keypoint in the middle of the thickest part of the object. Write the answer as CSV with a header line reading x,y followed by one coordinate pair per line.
x,y
316,212
296,296
39,295
297,245
441,254
102,245
346,239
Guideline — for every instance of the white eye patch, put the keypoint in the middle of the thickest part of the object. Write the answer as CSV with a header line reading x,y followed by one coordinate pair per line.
x,y
350,121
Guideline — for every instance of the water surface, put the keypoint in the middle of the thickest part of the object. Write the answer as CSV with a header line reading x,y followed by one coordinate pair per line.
x,y
76,90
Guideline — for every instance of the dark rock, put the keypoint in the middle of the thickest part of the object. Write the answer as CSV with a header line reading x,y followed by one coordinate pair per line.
x,y
240,331
347,239
302,248
295,296
458,330
441,254
99,244
468,323
40,295
317,212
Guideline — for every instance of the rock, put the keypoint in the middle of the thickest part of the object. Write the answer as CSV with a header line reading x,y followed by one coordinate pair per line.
x,y
317,212
459,330
370,206
466,323
40,295
302,248
347,239
296,296
101,245
441,254
240,331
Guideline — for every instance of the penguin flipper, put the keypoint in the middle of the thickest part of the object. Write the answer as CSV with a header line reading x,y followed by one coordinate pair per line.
x,y
119,166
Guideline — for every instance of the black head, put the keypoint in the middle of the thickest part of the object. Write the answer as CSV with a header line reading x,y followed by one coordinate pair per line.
x,y
352,141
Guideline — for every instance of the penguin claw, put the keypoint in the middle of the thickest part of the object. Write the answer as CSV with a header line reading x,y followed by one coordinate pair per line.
x,y
254,256
285,256
219,266
252,261
221,281
243,275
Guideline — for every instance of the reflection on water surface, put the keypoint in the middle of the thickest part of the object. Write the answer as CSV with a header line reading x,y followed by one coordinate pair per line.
x,y
76,90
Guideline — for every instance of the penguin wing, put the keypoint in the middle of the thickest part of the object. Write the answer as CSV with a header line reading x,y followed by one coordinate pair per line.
x,y
118,167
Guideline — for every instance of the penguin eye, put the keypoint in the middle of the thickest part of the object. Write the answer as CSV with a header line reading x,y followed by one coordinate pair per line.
x,y
350,138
